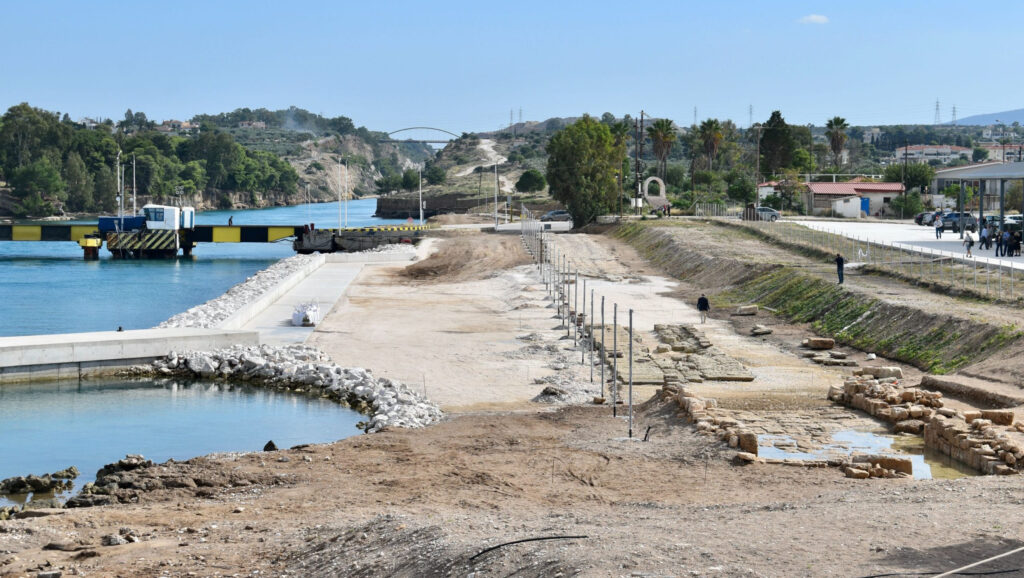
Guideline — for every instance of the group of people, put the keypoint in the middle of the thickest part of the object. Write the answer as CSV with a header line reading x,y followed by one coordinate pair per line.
x,y
1007,244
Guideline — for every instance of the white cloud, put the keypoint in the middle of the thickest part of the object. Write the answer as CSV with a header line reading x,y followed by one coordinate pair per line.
x,y
814,19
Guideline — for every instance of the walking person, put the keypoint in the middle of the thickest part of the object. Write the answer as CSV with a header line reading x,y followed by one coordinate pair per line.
x,y
968,243
938,226
840,262
231,220
703,306
1006,243
983,238
999,243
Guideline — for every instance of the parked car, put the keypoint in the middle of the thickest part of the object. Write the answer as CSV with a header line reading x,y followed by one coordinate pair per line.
x,y
768,214
951,222
556,216
919,218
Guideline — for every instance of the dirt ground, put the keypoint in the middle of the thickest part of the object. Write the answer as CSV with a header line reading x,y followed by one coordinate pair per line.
x,y
583,497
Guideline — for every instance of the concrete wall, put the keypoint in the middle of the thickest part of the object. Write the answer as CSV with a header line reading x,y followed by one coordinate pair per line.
x,y
248,312
72,355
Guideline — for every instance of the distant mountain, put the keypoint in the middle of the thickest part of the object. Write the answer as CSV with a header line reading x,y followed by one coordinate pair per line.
x,y
1007,117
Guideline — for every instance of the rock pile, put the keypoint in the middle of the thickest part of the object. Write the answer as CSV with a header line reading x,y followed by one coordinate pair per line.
x,y
909,408
711,420
306,369
978,441
986,440
215,311
45,483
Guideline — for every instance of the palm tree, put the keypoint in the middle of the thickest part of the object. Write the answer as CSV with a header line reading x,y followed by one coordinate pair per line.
x,y
711,135
662,134
836,134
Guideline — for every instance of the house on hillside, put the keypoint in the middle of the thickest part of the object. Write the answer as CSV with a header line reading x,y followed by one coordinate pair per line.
x,y
766,189
925,153
839,198
258,124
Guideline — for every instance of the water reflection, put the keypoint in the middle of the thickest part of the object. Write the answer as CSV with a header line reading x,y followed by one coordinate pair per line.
x,y
49,427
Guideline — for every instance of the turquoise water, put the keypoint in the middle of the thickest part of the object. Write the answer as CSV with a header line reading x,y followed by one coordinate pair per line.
x,y
48,427
49,288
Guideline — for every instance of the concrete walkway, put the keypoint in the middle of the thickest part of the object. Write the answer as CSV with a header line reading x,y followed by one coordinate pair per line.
x,y
324,286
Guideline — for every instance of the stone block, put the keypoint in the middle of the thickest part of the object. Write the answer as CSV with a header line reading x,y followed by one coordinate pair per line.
x,y
902,465
760,330
879,372
971,415
748,442
913,426
857,473
746,310
998,416
820,342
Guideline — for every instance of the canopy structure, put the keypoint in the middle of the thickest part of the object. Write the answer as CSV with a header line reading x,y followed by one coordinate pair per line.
x,y
989,176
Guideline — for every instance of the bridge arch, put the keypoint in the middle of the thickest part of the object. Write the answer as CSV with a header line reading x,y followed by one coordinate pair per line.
x,y
423,128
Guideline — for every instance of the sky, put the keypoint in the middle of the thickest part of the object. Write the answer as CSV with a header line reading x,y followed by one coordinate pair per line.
x,y
463,66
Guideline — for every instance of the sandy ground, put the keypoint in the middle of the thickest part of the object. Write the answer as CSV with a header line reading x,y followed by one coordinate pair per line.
x,y
593,501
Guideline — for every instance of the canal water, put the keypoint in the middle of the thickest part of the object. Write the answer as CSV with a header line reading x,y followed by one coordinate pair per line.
x,y
48,427
49,288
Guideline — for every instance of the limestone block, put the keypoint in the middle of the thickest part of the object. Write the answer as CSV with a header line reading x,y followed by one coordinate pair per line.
x,y
746,457
971,415
880,372
903,465
998,416
748,442
746,310
914,426
857,473
820,342
760,330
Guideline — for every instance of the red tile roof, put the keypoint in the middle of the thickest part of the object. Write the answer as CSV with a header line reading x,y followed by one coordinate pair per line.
x,y
850,189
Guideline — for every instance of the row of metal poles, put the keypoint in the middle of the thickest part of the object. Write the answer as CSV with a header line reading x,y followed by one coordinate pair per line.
x,y
997,280
561,280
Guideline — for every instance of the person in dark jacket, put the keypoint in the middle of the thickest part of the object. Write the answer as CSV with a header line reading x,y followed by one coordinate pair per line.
x,y
840,262
703,306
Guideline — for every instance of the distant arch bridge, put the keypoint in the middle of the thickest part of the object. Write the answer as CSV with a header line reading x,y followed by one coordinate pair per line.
x,y
392,140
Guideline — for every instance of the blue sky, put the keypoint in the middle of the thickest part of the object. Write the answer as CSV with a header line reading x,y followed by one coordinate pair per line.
x,y
463,66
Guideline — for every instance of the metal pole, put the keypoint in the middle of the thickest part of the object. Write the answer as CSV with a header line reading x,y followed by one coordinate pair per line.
x,y
495,196
583,326
602,346
615,356
630,373
421,194
346,194
575,305
590,342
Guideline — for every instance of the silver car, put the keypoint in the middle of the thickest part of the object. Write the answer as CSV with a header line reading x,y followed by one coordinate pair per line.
x,y
768,214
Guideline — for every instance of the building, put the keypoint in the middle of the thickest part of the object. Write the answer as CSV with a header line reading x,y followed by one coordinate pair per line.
x,y
987,183
875,197
765,190
252,124
177,126
1004,153
872,135
926,153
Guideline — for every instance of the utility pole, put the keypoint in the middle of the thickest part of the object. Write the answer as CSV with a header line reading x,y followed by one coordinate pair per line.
x,y
421,195
636,157
120,192
135,208
495,196
639,171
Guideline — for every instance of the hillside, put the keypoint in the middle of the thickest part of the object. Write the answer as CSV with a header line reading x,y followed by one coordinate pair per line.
x,y
1005,117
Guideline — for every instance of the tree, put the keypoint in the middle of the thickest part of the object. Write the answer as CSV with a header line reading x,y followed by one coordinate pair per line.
x,y
410,179
531,181
711,136
740,188
836,134
435,174
979,154
582,163
662,134
906,205
39,177
916,175
776,144
79,183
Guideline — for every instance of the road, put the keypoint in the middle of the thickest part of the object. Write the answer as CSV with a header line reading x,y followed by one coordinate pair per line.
x,y
907,234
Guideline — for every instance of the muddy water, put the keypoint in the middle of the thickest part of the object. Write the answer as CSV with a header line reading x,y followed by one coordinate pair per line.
x,y
927,464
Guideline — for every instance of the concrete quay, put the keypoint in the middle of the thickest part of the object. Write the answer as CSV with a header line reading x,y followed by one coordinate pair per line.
x,y
72,355
266,320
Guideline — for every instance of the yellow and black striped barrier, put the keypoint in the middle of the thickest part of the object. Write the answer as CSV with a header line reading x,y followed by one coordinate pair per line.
x,y
62,232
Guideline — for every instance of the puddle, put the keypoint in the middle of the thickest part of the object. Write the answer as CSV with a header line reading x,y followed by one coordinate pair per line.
x,y
928,464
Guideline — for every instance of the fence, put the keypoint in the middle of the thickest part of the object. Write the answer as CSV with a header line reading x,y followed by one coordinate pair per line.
x,y
986,277
561,280
717,210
